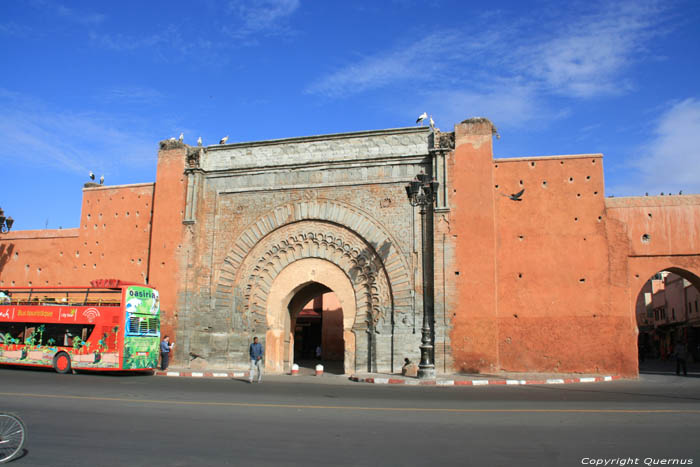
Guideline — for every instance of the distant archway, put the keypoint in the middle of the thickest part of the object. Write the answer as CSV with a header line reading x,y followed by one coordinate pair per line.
x,y
667,313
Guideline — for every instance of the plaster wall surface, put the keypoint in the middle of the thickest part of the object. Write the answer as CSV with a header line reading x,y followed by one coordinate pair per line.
x,y
111,242
167,254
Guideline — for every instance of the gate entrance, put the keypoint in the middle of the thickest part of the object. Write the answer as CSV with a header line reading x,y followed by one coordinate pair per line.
x,y
318,334
311,304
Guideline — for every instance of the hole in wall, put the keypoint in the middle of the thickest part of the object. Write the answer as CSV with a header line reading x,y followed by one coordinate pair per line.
x,y
456,273
649,214
532,164
646,238
595,192
571,179
582,280
588,177
575,219
544,183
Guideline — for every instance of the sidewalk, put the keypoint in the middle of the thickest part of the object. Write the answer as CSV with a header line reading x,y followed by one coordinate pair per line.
x,y
307,375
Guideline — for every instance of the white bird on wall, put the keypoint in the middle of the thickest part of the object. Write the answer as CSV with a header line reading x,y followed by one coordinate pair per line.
x,y
223,140
422,117
432,123
102,179
182,137
91,175
199,141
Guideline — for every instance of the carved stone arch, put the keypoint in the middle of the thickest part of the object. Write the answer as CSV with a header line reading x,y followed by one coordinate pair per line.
x,y
298,241
313,239
360,223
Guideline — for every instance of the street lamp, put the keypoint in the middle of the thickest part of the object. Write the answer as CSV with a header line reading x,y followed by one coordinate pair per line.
x,y
421,192
5,222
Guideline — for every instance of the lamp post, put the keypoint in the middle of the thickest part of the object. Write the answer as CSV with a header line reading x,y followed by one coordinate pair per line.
x,y
5,222
421,192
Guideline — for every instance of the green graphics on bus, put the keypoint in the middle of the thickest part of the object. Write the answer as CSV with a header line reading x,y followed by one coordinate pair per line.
x,y
142,328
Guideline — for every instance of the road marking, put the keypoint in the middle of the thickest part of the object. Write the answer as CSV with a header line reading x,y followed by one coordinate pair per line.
x,y
347,407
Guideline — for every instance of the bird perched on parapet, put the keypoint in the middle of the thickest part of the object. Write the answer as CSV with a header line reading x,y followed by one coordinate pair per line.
x,y
199,141
515,196
181,138
432,123
421,117
102,179
680,192
172,139
223,140
91,175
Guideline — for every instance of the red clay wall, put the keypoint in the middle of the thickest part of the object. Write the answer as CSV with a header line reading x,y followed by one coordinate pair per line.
x,y
167,244
534,290
659,233
474,335
111,242
554,296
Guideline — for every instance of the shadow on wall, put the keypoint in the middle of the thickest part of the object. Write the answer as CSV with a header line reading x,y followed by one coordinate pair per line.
x,y
5,253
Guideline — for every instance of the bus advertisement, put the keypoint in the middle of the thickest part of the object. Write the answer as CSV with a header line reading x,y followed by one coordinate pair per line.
x,y
112,325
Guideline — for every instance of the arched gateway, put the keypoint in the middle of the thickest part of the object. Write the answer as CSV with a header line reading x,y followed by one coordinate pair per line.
x,y
275,260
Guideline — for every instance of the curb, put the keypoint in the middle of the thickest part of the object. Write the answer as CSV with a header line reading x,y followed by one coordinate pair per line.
x,y
482,382
204,374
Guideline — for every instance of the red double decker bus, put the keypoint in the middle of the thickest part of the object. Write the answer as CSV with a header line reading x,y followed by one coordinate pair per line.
x,y
112,325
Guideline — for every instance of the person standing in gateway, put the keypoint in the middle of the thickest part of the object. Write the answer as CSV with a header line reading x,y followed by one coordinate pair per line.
x,y
257,352
165,347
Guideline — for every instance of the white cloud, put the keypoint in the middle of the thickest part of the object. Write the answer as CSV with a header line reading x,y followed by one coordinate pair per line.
x,y
672,160
507,106
580,59
265,17
668,161
587,58
71,142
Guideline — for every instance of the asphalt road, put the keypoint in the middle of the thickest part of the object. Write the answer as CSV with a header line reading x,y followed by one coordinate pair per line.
x,y
96,420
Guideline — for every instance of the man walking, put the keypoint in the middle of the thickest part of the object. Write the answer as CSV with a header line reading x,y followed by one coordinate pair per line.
x,y
256,359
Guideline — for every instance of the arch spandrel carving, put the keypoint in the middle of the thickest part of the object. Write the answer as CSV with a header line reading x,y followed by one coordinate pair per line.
x,y
313,239
368,232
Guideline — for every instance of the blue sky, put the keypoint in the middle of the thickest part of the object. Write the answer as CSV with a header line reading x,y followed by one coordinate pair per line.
x,y
95,85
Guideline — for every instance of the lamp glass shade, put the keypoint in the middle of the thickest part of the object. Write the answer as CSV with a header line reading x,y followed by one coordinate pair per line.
x,y
8,222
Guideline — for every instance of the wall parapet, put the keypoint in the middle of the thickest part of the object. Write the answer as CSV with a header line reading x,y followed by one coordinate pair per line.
x,y
40,234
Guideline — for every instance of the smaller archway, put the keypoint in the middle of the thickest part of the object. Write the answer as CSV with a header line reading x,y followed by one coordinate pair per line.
x,y
296,285
668,319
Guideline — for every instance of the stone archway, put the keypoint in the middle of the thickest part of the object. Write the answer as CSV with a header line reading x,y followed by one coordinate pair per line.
x,y
292,287
362,264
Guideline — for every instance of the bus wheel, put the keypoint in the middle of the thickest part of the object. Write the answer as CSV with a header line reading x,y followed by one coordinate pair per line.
x,y
61,363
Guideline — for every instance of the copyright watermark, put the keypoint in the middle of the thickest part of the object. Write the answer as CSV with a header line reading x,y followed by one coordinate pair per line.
x,y
622,461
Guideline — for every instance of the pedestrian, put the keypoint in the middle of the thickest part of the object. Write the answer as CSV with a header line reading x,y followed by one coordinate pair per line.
x,y
257,352
680,351
165,347
318,352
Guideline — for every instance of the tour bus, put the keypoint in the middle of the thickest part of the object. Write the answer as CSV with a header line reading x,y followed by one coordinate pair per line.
x,y
110,326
